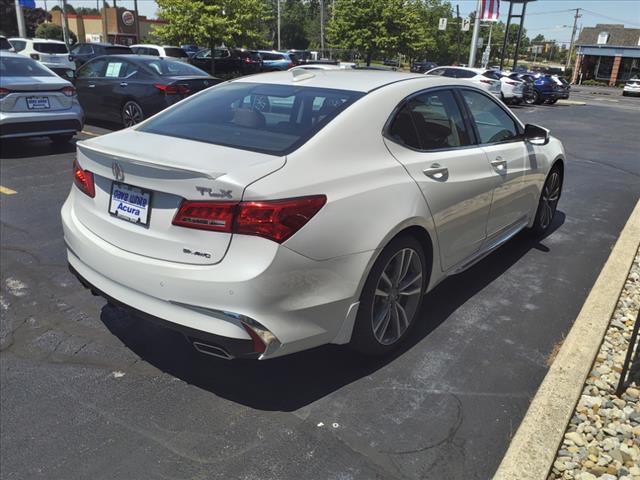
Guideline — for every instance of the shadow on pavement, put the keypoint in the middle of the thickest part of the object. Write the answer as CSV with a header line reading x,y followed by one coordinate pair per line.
x,y
291,382
34,147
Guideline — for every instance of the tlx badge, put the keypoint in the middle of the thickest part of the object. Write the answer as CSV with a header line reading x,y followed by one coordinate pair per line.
x,y
220,193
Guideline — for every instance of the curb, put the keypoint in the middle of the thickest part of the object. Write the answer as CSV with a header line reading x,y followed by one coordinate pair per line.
x,y
534,446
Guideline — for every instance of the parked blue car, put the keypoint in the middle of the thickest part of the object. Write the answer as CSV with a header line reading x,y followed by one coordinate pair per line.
x,y
274,61
547,89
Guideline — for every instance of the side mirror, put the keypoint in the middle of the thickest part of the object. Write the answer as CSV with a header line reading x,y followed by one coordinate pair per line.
x,y
536,135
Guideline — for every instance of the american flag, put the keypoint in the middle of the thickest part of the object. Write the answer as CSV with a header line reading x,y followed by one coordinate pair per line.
x,y
490,10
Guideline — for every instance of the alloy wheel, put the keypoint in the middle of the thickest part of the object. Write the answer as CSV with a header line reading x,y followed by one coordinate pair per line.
x,y
132,114
397,296
549,199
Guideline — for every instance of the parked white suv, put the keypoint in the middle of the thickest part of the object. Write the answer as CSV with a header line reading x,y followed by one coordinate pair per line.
x,y
632,87
486,79
53,54
162,51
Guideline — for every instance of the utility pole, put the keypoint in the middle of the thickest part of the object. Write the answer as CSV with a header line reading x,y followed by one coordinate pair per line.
x,y
458,35
65,24
22,28
573,35
105,32
474,39
135,9
322,26
278,2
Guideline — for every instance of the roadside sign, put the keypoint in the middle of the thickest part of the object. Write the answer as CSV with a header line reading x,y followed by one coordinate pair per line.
x,y
480,43
442,25
466,23
28,3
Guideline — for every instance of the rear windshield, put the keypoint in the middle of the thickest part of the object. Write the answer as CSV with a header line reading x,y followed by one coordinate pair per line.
x,y
117,50
175,52
170,68
4,44
272,119
491,74
22,67
50,47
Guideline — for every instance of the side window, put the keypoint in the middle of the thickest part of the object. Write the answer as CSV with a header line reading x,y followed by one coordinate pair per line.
x,y
204,54
19,45
437,71
153,51
116,69
436,119
493,123
92,69
465,74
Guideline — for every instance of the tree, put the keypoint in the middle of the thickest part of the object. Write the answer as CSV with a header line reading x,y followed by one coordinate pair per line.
x,y
84,11
53,31
212,22
34,17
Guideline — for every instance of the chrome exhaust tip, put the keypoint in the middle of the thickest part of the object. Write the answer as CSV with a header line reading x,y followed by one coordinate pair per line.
x,y
212,350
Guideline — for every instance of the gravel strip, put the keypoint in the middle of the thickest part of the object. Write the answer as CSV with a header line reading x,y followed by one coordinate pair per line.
x,y
602,440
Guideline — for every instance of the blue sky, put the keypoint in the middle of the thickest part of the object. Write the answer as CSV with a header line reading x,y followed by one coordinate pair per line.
x,y
551,18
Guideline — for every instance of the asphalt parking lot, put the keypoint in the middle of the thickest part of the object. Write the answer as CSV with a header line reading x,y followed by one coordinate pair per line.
x,y
90,392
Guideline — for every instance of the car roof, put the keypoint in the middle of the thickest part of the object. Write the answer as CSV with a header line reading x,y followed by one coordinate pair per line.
x,y
343,79
39,40
153,45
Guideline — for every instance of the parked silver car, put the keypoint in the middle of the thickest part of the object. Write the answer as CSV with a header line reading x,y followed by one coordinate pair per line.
x,y
34,101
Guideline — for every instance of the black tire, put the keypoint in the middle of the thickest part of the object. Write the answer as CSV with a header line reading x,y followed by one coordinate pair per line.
x,y
131,113
552,101
624,94
401,316
537,98
548,203
530,100
61,138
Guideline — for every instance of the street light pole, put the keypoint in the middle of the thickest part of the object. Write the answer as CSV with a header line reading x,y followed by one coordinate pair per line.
x,y
278,2
105,32
65,24
135,9
322,26
474,38
573,36
22,28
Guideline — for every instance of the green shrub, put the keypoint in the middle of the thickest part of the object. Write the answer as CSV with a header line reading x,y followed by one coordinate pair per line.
x,y
53,31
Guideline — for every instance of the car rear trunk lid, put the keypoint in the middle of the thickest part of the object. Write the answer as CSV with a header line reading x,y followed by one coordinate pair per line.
x,y
170,170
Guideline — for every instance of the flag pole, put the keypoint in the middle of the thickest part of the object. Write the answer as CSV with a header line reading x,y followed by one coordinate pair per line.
x,y
474,38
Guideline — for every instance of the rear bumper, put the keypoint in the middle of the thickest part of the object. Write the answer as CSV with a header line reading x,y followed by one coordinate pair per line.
x,y
33,124
302,302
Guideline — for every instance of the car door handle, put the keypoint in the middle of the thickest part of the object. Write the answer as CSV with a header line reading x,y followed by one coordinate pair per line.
x,y
499,164
123,84
437,172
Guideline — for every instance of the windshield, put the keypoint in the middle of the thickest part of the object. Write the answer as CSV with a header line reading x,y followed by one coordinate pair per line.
x,y
50,47
273,119
171,68
175,52
22,67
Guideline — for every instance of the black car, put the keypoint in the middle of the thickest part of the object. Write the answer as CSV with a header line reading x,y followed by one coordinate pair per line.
x,y
228,61
422,67
129,88
83,52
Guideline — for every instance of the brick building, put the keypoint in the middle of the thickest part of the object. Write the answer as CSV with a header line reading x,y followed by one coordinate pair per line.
x,y
121,26
608,53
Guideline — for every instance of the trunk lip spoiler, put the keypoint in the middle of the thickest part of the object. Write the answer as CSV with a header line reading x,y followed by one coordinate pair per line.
x,y
136,160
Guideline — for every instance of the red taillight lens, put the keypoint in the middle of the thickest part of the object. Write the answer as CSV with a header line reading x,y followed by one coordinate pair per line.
x,y
276,220
172,89
69,91
4,91
83,179
35,56
291,65
216,216
490,82
512,83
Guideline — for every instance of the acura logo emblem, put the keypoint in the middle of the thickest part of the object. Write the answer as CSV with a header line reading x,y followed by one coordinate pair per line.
x,y
118,172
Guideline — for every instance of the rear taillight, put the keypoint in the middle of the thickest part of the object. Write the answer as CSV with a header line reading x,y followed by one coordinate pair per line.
x,y
511,83
258,344
276,220
35,56
247,60
216,216
490,82
290,65
172,89
4,91
69,91
83,179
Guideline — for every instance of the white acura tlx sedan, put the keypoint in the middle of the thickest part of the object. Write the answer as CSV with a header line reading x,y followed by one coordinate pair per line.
x,y
279,212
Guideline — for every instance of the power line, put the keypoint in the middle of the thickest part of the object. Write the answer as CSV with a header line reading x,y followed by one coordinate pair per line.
x,y
549,13
596,14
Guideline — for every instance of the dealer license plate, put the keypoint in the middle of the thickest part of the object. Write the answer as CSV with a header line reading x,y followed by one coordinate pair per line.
x,y
38,103
130,203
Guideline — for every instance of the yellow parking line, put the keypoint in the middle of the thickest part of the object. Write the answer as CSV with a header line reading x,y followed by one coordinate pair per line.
x,y
7,191
91,134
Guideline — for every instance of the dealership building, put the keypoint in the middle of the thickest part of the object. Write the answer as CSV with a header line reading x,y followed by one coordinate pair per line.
x,y
121,26
608,53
